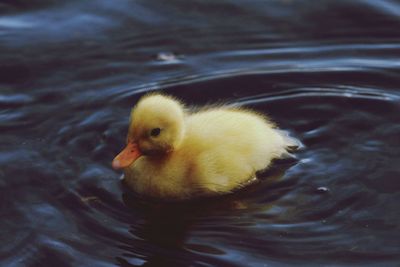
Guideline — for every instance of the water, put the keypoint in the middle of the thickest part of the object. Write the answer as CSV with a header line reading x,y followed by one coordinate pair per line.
x,y
326,71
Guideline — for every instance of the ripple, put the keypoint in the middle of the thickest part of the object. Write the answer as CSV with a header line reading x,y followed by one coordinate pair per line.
x,y
327,72
343,91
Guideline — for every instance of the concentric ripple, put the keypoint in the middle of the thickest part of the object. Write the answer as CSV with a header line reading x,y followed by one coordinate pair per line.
x,y
327,72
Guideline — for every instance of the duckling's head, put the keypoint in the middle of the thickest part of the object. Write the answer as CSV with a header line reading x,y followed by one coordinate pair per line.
x,y
156,128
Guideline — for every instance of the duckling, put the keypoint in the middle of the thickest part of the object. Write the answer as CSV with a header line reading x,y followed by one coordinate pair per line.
x,y
173,153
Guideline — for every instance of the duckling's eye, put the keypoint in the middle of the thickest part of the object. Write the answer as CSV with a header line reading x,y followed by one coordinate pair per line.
x,y
155,132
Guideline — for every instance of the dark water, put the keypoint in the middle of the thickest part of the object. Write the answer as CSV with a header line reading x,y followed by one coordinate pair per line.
x,y
326,71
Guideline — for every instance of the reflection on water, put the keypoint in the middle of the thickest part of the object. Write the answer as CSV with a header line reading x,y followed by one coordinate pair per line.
x,y
328,72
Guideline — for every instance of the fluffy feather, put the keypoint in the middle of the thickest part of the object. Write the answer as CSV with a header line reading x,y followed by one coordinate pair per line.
x,y
212,151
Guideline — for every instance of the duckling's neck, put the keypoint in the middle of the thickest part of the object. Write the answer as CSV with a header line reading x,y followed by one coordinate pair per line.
x,y
180,137
159,158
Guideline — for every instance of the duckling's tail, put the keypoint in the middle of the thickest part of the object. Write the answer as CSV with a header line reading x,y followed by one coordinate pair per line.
x,y
292,144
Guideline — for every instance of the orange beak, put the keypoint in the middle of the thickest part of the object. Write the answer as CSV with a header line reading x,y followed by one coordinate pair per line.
x,y
127,156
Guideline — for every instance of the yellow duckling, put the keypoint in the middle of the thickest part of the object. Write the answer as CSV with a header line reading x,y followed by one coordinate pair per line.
x,y
177,154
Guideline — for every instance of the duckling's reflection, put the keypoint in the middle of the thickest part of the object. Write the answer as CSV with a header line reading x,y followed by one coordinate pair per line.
x,y
162,233
164,230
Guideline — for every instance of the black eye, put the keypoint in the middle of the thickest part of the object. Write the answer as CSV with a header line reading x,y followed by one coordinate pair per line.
x,y
155,132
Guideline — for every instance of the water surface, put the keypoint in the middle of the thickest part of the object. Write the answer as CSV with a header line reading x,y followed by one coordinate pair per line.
x,y
326,71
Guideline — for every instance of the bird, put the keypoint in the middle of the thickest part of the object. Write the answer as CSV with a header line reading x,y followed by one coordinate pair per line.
x,y
176,152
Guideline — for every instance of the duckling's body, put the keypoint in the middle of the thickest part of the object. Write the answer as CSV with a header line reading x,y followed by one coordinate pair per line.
x,y
218,151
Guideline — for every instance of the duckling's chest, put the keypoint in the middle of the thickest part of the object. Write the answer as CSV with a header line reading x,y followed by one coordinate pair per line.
x,y
165,178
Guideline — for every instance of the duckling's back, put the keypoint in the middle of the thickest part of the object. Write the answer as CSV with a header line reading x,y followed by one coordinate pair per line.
x,y
230,145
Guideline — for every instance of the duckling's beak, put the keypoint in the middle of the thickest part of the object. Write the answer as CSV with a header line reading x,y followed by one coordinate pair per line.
x,y
127,156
